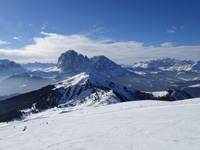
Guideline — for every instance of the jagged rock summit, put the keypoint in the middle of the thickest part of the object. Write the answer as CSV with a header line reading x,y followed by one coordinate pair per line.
x,y
72,62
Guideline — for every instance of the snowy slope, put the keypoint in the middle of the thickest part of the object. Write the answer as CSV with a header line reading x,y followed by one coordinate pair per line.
x,y
140,125
78,85
90,89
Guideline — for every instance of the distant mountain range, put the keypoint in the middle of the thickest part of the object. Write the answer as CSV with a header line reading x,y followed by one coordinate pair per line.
x,y
78,80
8,68
6,64
154,75
166,64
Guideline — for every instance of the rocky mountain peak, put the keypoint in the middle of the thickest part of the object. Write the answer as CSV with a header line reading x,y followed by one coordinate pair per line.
x,y
71,61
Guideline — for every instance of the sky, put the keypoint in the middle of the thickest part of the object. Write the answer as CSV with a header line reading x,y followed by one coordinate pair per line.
x,y
125,31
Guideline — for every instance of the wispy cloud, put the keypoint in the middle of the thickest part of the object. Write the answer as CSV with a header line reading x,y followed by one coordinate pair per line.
x,y
174,29
4,42
98,30
166,44
49,48
44,24
18,38
171,29
30,25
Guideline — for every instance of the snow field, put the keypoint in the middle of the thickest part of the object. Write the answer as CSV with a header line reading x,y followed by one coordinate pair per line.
x,y
141,125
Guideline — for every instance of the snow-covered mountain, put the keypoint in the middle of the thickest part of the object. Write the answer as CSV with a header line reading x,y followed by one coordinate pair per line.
x,y
155,75
166,64
77,87
7,64
17,78
165,74
8,68
72,63
75,90
84,88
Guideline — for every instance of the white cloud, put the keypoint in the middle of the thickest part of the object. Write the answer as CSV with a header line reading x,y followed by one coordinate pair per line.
x,y
3,42
166,44
49,48
18,38
172,29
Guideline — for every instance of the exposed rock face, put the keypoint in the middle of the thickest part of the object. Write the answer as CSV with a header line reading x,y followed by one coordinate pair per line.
x,y
72,62
102,64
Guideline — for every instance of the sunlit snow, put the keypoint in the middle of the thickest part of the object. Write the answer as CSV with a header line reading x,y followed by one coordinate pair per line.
x,y
140,125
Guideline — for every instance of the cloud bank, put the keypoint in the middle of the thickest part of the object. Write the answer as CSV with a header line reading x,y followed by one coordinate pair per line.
x,y
49,48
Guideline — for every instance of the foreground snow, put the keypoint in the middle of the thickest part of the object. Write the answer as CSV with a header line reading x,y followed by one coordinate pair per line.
x,y
148,125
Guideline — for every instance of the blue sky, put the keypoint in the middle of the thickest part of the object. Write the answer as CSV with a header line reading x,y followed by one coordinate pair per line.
x,y
124,30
